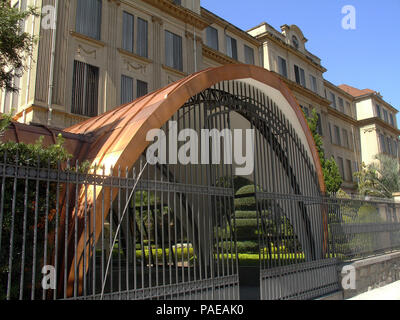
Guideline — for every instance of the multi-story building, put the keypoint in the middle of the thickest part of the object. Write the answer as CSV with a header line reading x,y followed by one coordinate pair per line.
x,y
376,120
343,134
285,53
107,53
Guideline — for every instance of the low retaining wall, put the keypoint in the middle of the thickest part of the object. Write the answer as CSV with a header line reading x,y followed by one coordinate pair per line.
x,y
373,273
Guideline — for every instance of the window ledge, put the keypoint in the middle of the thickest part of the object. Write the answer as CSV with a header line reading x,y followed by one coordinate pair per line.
x,y
134,55
175,71
86,38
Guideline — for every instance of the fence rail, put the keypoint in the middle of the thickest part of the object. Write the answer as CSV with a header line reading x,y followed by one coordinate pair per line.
x,y
165,249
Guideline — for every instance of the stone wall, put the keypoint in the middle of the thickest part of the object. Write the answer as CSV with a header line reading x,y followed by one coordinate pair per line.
x,y
373,273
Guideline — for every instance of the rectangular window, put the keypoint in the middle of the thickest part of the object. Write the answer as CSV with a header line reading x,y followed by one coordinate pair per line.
x,y
231,47
282,67
337,136
395,148
212,38
88,18
389,145
305,111
345,138
385,116
348,108
333,99
330,132
248,55
341,167
349,171
319,125
313,82
300,76
85,86
173,51
392,119
341,104
382,143
142,88
378,111
126,89
351,141
127,31
142,38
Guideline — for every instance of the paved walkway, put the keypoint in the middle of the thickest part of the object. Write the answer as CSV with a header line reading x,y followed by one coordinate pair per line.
x,y
389,292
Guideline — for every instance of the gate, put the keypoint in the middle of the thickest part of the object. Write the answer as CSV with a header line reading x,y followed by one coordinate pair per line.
x,y
169,230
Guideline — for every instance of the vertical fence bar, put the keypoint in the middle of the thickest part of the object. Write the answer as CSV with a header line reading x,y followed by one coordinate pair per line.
x,y
11,250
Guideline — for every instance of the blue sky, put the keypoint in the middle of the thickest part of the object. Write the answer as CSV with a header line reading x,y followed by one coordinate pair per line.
x,y
367,57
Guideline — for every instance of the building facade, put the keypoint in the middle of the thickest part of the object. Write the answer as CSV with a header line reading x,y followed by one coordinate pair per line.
x,y
107,53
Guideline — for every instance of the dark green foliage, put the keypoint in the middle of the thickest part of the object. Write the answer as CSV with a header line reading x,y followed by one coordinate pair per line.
x,y
247,247
246,214
245,203
330,169
29,207
332,177
380,179
240,182
15,45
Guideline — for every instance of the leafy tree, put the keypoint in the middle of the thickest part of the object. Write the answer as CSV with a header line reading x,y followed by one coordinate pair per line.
x,y
330,170
380,178
15,44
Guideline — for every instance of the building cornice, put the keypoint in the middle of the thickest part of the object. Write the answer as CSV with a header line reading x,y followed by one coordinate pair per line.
x,y
269,36
217,56
332,111
379,122
179,12
378,98
294,86
38,108
212,18
330,85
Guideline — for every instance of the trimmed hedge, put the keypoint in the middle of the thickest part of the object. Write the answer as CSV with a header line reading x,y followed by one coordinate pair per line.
x,y
247,203
245,215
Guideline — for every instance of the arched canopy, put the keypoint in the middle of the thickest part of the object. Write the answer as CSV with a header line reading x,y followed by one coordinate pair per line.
x,y
120,134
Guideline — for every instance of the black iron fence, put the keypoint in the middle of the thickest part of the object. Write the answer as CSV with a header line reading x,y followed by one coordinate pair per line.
x,y
160,248
66,234
360,228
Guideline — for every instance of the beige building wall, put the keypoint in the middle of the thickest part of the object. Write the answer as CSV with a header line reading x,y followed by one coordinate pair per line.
x,y
374,126
365,109
213,57
189,21
106,54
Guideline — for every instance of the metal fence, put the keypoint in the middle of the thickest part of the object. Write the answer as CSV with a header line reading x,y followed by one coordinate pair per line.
x,y
159,249
360,228
158,253
175,231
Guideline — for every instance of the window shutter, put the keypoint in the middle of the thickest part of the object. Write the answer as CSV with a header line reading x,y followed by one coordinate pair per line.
x,y
126,89
248,55
127,32
88,18
142,38
142,89
212,38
